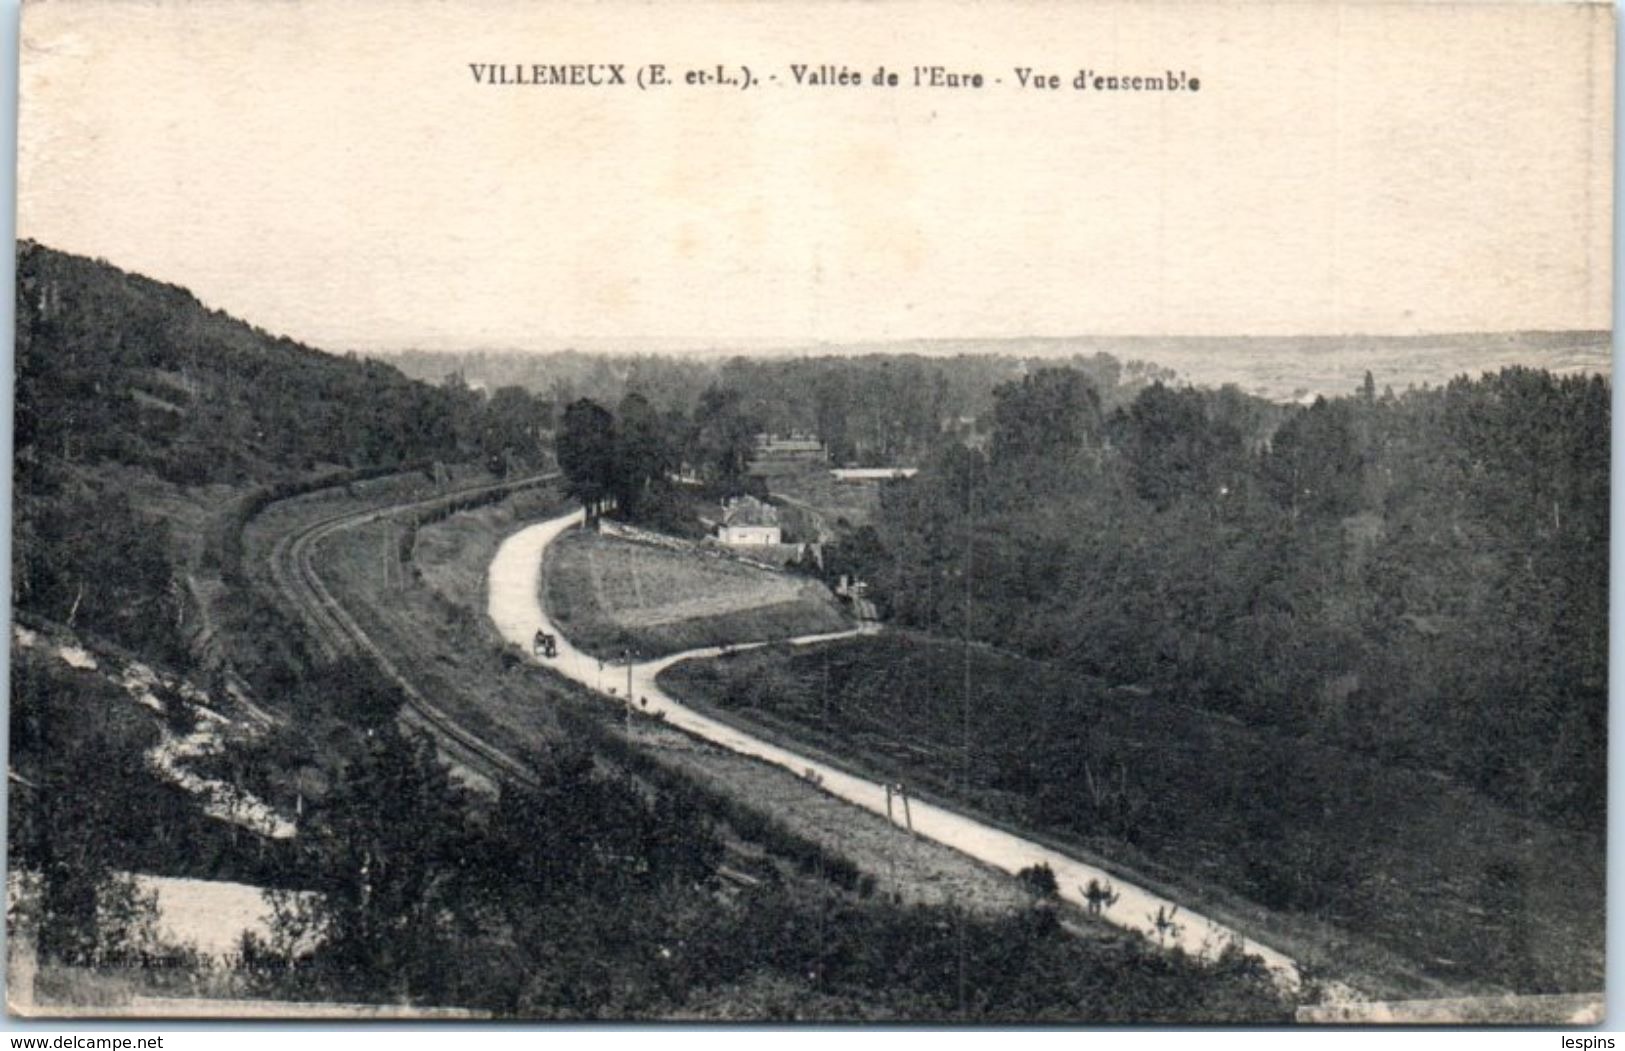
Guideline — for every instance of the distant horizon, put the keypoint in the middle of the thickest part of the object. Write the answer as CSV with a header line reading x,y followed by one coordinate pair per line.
x,y
1281,368
1059,347
656,346
790,346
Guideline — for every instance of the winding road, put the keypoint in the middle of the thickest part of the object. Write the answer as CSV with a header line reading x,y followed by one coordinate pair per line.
x,y
516,608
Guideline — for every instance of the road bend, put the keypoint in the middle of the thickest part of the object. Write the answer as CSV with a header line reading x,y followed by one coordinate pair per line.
x,y
516,608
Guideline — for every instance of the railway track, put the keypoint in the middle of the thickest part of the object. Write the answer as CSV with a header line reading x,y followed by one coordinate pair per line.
x,y
336,632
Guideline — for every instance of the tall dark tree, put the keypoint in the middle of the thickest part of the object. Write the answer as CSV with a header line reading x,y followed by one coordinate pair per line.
x,y
1314,464
831,403
1171,447
1049,413
585,447
513,424
70,836
724,435
643,453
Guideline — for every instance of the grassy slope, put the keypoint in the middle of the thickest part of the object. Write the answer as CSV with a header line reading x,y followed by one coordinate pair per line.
x,y
609,594
1418,872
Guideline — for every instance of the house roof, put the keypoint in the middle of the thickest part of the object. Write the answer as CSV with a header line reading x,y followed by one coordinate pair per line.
x,y
749,511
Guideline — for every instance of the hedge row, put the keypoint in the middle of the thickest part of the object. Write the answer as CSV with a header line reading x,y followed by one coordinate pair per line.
x,y
406,543
229,540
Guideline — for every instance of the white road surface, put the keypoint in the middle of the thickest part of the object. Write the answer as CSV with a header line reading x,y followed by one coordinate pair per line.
x,y
516,608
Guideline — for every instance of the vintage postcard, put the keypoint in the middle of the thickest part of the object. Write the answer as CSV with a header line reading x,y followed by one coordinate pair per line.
x,y
805,511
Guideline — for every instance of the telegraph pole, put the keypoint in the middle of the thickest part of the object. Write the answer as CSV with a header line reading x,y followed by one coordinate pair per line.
x,y
826,688
970,506
629,693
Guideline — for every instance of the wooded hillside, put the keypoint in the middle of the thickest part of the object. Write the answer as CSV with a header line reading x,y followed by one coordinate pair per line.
x,y
1422,576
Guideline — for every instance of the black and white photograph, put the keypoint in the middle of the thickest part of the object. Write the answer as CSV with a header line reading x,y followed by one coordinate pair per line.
x,y
811,513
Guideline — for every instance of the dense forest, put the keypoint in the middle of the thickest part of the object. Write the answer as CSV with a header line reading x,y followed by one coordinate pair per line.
x,y
114,366
1421,576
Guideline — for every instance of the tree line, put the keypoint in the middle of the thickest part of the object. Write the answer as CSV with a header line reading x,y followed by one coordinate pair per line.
x,y
870,409
629,457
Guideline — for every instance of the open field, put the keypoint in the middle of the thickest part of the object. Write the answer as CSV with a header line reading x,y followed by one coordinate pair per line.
x,y
1417,885
451,555
610,595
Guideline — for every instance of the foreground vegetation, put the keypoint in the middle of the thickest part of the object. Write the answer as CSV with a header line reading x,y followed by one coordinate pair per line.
x,y
623,915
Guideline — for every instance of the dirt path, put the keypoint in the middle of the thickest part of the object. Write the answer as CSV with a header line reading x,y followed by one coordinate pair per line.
x,y
515,607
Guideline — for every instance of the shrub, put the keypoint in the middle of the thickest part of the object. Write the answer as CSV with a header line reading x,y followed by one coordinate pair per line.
x,y
1040,879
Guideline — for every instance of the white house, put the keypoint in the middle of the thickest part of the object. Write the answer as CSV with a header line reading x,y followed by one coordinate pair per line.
x,y
747,520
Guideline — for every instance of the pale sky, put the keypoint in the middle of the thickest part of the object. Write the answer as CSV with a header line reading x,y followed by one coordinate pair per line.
x,y
334,173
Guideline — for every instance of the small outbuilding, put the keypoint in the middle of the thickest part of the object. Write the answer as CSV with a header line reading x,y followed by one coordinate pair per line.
x,y
747,520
